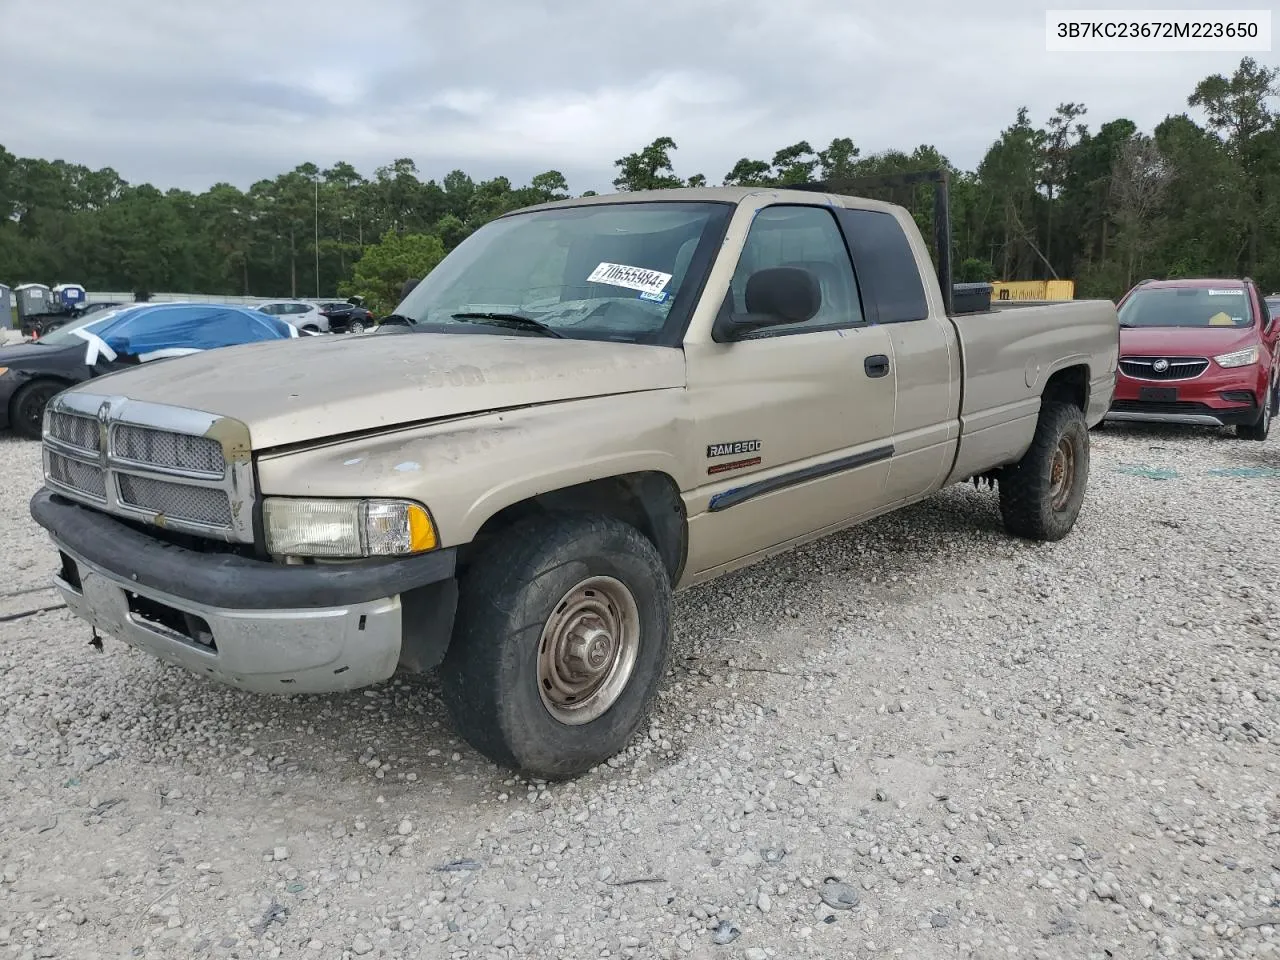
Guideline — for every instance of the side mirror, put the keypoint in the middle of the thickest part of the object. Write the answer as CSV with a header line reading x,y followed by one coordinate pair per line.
x,y
775,296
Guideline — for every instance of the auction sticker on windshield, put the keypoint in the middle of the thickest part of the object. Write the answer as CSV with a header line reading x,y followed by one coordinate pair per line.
x,y
633,278
1226,293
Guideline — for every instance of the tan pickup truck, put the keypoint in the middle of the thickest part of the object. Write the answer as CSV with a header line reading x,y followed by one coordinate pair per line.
x,y
586,406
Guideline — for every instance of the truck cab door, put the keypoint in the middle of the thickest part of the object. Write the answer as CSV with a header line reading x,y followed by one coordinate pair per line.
x,y
792,425
926,351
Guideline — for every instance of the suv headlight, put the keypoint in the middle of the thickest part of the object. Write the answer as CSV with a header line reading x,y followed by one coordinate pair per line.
x,y
1241,358
346,529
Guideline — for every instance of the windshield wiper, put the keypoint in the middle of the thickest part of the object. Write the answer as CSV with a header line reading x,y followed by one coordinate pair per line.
x,y
509,320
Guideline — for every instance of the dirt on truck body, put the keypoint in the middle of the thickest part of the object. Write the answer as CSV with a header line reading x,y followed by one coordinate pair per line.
x,y
586,406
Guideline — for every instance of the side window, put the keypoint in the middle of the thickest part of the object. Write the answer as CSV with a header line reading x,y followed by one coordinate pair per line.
x,y
892,291
271,308
798,236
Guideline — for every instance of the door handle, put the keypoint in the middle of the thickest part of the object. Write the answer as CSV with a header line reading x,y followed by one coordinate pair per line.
x,y
876,365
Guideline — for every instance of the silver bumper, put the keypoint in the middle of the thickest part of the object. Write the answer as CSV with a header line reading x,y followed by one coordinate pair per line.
x,y
315,650
1190,419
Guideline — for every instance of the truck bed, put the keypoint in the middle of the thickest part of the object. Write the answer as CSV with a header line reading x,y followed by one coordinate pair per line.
x,y
1009,352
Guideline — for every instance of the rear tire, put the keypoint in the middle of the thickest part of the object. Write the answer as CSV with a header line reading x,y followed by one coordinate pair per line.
x,y
356,326
1041,495
26,410
1257,431
561,641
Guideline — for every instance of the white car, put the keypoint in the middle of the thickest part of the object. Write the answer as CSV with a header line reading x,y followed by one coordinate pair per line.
x,y
305,316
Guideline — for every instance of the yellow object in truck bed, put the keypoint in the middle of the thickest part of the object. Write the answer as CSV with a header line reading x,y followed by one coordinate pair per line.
x,y
1033,290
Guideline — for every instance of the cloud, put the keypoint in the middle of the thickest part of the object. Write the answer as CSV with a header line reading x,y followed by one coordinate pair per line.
x,y
188,94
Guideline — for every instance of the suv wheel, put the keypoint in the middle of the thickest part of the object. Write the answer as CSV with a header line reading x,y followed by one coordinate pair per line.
x,y
1260,429
1041,495
561,640
356,326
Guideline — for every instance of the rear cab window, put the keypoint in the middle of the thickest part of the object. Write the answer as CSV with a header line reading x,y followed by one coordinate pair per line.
x,y
892,291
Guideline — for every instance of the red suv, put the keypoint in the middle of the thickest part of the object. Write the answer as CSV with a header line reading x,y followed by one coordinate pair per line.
x,y
1199,352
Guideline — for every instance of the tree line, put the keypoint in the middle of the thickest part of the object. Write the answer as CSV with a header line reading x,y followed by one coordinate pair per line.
x,y
1059,199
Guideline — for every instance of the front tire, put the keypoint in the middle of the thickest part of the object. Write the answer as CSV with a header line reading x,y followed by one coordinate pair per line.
x,y
1259,430
1041,495
561,641
27,407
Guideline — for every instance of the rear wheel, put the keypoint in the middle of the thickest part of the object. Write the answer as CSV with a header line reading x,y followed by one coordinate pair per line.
x,y
356,326
561,641
1041,495
27,407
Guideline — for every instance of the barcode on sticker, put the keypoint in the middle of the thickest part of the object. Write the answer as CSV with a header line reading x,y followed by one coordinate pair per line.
x,y
1226,293
633,278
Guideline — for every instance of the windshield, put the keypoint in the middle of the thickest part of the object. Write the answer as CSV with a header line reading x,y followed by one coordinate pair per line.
x,y
1187,307
608,271
64,335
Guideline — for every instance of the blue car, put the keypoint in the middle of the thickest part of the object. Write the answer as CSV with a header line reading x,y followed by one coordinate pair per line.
x,y
110,340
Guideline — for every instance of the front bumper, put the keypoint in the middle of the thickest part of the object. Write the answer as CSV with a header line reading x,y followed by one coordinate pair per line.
x,y
254,625
1187,413
1217,398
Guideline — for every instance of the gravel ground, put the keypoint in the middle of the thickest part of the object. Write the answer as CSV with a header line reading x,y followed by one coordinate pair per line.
x,y
917,739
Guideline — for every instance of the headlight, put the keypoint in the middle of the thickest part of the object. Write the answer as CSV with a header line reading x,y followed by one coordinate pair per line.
x,y
1241,358
346,529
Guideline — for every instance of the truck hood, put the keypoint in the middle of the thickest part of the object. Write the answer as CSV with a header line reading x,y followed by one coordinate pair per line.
x,y
1184,341
294,391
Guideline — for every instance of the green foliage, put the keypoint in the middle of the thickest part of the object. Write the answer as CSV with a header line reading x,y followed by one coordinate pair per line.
x,y
387,264
974,270
1105,206
648,169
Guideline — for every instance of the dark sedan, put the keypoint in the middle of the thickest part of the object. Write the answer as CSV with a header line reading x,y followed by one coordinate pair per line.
x,y
109,340
346,317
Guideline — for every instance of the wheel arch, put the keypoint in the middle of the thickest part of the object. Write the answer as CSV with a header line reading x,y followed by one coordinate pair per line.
x,y
1070,384
648,500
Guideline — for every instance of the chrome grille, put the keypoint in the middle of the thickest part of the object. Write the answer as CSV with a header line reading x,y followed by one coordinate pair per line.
x,y
81,432
160,463
76,475
164,449
1178,368
177,501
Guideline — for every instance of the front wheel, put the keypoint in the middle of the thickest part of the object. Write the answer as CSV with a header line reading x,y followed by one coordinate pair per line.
x,y
561,641
27,410
1041,495
1259,429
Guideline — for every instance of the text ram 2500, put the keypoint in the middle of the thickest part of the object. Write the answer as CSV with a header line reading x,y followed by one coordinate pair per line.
x,y
587,405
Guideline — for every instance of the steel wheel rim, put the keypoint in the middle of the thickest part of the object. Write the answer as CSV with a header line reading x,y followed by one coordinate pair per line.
x,y
1062,472
588,650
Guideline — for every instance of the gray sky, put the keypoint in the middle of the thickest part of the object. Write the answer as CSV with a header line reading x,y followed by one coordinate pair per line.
x,y
186,92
